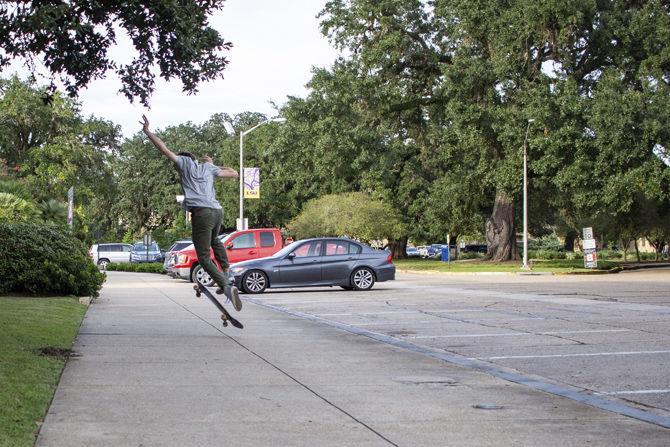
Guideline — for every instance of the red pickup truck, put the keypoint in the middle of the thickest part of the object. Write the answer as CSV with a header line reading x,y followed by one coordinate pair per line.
x,y
240,246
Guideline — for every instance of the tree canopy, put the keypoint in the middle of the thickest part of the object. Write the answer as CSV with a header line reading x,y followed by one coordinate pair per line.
x,y
72,40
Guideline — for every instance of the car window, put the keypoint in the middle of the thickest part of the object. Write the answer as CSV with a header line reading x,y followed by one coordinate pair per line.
x,y
308,249
337,248
245,240
126,248
355,249
267,239
140,246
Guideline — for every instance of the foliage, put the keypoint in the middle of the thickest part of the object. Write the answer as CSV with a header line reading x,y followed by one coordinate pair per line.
x,y
72,40
45,260
455,84
53,148
144,267
52,210
16,209
546,254
29,377
547,242
355,215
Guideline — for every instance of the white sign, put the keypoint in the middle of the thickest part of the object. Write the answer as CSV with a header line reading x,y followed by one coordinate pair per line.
x,y
589,244
587,232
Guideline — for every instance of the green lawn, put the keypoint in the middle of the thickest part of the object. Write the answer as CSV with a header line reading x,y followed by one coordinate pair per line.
x,y
559,266
27,377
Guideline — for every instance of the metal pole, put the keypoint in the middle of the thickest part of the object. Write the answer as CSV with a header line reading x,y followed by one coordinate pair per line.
x,y
240,225
525,199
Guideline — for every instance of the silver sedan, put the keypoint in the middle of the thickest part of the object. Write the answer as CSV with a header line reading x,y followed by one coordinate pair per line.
x,y
316,262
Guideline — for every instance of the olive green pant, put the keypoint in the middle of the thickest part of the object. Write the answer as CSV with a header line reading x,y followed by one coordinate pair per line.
x,y
206,224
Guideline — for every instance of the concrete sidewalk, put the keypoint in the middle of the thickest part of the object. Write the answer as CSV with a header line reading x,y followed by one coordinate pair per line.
x,y
155,367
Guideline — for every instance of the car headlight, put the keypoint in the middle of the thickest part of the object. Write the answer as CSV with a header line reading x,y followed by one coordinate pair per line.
x,y
237,270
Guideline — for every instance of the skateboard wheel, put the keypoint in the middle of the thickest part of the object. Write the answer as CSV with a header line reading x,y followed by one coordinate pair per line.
x,y
225,323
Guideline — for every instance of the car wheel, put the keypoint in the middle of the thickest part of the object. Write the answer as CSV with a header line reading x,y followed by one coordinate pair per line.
x,y
362,279
199,274
254,281
103,263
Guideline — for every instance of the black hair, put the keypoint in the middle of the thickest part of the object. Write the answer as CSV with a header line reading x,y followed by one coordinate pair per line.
x,y
187,154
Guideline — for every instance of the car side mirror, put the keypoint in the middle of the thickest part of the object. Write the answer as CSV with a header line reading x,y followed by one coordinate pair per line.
x,y
291,256
229,246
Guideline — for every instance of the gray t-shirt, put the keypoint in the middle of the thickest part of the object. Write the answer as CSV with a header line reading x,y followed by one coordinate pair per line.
x,y
197,181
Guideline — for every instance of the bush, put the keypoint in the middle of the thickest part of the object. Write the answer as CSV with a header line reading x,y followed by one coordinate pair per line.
x,y
39,259
470,255
610,254
148,267
546,254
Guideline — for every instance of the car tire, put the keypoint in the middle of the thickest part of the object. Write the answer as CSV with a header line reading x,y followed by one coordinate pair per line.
x,y
254,281
103,263
199,274
362,278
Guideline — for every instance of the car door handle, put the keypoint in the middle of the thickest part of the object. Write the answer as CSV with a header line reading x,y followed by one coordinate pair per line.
x,y
252,252
350,258
315,260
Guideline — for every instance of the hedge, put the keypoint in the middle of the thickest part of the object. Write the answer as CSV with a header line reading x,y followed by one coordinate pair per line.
x,y
145,267
44,259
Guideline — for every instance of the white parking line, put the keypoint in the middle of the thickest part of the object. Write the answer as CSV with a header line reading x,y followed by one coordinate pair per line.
x,y
583,332
515,334
399,312
616,393
593,354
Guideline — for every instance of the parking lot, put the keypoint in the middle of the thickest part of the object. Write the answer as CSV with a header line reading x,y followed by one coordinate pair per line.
x,y
602,336
421,361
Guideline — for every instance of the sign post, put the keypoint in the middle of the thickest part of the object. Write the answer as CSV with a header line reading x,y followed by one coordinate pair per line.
x,y
70,205
589,248
147,241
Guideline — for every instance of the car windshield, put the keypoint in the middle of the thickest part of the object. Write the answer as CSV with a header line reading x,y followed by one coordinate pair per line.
x,y
141,247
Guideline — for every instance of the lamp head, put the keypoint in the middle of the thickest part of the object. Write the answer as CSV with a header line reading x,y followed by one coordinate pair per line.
x,y
230,130
278,120
531,120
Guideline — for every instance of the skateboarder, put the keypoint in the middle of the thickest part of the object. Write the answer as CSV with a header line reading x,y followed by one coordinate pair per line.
x,y
197,181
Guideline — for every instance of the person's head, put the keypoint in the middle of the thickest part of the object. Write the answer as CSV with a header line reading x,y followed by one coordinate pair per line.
x,y
188,154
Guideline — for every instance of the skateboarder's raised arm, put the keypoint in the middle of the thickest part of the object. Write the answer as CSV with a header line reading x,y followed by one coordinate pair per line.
x,y
157,141
227,173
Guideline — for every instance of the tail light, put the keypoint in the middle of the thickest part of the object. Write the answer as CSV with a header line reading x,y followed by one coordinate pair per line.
x,y
389,259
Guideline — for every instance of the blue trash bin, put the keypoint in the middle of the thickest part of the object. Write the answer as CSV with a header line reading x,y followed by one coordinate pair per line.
x,y
444,255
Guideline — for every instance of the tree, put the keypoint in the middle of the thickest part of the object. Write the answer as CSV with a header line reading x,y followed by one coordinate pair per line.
x,y
72,40
355,215
461,82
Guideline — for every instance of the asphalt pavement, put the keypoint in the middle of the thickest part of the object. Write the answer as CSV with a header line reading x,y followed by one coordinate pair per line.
x,y
422,361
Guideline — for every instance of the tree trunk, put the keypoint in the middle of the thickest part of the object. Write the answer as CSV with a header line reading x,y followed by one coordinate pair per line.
x,y
398,248
570,240
500,234
637,251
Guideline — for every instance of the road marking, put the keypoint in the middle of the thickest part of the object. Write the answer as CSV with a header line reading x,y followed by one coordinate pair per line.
x,y
396,323
368,313
516,334
616,393
583,332
591,354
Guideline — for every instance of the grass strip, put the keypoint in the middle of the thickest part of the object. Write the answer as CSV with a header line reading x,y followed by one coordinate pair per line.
x,y
36,335
556,266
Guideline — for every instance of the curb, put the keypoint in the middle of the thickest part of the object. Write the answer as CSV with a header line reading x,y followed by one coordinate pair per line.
x,y
85,300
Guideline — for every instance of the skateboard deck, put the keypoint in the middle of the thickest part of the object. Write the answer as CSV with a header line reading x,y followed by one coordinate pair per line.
x,y
225,316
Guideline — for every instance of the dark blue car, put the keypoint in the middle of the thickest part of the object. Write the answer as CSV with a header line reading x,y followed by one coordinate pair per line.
x,y
316,262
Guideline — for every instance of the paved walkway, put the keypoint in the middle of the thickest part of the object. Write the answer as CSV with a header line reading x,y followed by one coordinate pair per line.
x,y
155,367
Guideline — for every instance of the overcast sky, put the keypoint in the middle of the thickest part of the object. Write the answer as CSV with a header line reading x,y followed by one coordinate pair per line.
x,y
276,43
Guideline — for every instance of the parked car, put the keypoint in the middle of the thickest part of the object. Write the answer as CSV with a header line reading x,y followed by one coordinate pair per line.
x,y
240,246
103,254
316,262
412,252
146,253
174,248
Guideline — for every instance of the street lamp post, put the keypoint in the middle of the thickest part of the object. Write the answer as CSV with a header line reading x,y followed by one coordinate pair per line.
x,y
241,225
525,199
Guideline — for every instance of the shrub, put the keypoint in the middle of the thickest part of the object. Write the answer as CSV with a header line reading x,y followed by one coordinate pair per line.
x,y
471,255
610,254
40,259
546,254
149,267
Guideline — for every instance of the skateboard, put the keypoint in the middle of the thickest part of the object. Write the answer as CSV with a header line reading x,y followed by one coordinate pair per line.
x,y
225,316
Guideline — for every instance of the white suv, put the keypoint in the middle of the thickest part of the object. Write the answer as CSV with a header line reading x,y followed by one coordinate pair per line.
x,y
102,254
